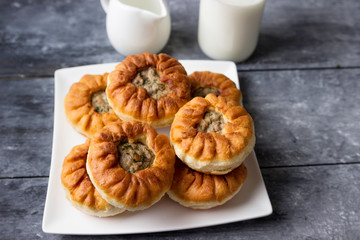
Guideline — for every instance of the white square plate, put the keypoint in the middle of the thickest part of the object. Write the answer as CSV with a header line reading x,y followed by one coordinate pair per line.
x,y
62,218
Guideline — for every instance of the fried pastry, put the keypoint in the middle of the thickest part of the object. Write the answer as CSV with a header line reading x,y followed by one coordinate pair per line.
x,y
203,83
78,188
86,105
203,191
212,135
130,164
149,88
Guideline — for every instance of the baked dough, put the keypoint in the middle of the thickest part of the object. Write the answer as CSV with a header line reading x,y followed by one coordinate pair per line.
x,y
123,189
211,135
86,105
78,188
203,191
149,88
203,83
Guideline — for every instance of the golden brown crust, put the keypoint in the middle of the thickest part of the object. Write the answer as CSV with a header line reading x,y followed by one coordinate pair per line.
x,y
219,81
132,103
202,191
215,153
133,191
79,111
78,187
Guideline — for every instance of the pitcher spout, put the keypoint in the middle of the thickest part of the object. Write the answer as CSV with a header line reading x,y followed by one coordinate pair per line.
x,y
155,8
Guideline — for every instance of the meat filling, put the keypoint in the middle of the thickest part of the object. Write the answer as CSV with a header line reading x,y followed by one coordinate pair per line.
x,y
135,156
100,102
150,80
203,91
212,121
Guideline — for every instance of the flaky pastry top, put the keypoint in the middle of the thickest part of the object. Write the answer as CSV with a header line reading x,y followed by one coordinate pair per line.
x,y
77,183
134,103
80,112
133,191
212,152
219,83
202,191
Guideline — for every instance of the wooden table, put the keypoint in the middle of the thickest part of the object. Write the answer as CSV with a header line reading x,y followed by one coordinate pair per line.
x,y
301,86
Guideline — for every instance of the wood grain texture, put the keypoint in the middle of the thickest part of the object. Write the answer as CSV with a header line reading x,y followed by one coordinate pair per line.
x,y
22,205
309,203
38,38
304,117
308,34
26,126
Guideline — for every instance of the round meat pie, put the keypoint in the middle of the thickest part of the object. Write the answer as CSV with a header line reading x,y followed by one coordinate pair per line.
x,y
203,191
149,88
203,83
130,164
86,105
211,135
78,188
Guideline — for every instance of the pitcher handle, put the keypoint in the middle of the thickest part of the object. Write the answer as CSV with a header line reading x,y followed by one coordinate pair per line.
x,y
105,5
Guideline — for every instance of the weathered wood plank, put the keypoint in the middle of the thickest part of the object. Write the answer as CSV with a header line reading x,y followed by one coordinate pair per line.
x,y
301,118
309,203
22,206
26,125
304,117
308,34
38,38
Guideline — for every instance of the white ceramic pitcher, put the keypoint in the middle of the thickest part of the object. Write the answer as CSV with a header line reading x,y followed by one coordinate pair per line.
x,y
137,26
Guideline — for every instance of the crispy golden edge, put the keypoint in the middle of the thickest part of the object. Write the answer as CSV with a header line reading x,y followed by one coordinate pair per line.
x,y
237,132
202,191
133,191
227,87
78,187
78,109
127,99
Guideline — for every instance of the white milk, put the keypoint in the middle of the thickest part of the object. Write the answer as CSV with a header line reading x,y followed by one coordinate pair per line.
x,y
229,29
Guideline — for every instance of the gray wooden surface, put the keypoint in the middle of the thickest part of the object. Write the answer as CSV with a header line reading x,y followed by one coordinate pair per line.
x,y
38,37
301,86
